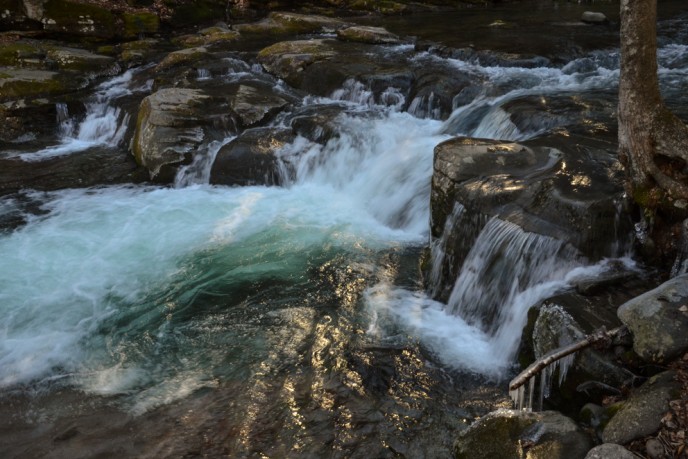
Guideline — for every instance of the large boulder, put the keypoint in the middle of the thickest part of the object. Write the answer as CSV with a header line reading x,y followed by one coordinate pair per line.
x,y
641,414
288,59
658,321
251,158
174,122
513,434
170,127
564,190
323,66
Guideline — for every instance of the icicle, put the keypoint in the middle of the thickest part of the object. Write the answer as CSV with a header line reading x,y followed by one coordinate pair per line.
x,y
531,391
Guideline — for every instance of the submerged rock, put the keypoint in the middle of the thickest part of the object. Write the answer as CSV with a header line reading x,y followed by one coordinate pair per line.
x,y
658,321
513,434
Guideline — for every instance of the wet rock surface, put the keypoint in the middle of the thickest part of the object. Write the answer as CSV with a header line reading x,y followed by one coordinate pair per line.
x,y
544,186
251,159
512,434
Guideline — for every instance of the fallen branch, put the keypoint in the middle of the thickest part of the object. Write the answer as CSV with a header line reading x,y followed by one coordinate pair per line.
x,y
551,357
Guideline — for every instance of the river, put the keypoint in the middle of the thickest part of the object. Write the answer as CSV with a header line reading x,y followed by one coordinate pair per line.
x,y
291,321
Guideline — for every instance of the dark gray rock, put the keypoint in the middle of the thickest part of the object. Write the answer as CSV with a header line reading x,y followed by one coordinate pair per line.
x,y
169,127
567,191
250,158
658,321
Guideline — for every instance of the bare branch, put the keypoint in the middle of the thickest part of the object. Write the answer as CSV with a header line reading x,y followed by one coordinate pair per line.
x,y
551,357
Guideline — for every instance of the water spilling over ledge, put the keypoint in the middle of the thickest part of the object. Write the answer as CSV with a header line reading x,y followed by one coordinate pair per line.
x,y
289,316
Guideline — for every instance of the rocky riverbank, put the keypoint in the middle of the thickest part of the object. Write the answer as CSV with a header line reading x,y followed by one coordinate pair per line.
x,y
176,94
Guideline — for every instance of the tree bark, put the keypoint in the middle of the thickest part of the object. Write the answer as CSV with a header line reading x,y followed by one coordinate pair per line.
x,y
653,142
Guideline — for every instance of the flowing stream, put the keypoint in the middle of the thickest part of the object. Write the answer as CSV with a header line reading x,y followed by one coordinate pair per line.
x,y
291,318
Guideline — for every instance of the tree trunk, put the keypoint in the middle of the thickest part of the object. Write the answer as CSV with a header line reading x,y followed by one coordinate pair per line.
x,y
653,142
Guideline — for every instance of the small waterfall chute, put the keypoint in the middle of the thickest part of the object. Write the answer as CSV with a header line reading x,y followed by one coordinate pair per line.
x,y
103,125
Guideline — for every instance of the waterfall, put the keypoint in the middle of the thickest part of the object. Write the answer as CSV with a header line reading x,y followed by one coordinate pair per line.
x,y
438,250
203,74
103,124
198,172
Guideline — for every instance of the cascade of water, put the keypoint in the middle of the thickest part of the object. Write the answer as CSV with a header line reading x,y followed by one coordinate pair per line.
x,y
198,172
203,74
381,163
354,91
359,94
438,250
103,124
503,262
425,107
65,124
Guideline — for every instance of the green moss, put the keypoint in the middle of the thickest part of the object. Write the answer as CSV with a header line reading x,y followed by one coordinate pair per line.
x,y
197,12
13,88
141,119
12,53
136,24
211,36
191,55
108,50
294,47
385,6
79,19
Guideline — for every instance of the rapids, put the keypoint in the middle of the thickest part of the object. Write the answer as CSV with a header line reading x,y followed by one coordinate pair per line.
x,y
282,320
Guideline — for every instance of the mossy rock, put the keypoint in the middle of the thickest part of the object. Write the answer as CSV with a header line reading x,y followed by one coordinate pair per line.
x,y
513,434
383,7
211,36
29,83
136,52
20,53
291,24
81,61
142,23
79,19
184,56
196,12
288,59
365,34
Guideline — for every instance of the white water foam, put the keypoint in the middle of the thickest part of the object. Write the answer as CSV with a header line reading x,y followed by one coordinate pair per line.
x,y
384,163
455,342
103,124
100,252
